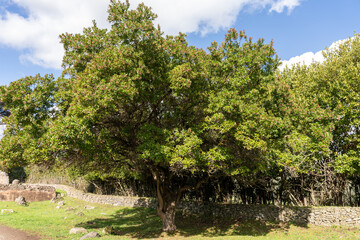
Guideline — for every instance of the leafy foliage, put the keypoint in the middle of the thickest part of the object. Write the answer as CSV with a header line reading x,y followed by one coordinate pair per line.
x,y
135,100
32,106
334,88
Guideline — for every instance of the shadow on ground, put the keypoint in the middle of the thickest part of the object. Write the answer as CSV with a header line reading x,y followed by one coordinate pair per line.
x,y
144,223
132,222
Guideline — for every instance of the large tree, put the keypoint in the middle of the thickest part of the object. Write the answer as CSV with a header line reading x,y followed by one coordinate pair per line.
x,y
133,102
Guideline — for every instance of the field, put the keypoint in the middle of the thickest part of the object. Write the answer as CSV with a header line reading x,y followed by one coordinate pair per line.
x,y
44,219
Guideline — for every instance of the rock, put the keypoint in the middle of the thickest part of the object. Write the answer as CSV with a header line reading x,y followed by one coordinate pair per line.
x,y
70,209
91,235
78,230
61,203
20,201
15,182
89,207
58,207
80,214
3,211
108,230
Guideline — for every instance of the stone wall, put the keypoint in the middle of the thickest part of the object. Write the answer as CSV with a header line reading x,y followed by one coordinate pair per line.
x,y
30,193
325,216
104,199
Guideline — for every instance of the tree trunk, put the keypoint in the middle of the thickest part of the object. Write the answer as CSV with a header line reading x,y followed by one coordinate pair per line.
x,y
166,208
167,215
168,196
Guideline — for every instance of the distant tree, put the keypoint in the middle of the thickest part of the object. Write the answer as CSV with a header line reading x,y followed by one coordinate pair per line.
x,y
326,147
132,102
306,157
334,86
339,82
30,101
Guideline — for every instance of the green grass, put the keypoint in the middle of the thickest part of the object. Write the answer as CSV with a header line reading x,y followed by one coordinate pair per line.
x,y
44,219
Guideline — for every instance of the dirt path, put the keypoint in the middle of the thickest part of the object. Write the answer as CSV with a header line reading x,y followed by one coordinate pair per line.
x,y
7,233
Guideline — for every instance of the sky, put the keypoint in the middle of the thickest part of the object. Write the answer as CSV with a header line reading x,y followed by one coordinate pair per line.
x,y
300,29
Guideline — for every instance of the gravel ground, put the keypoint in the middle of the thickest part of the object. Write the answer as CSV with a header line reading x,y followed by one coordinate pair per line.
x,y
7,233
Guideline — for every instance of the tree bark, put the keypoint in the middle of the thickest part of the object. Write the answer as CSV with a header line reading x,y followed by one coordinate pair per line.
x,y
166,209
167,215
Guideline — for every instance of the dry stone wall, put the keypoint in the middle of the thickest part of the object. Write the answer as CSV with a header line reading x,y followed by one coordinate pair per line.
x,y
104,199
325,216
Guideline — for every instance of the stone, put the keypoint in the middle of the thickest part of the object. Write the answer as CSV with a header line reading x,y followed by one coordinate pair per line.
x,y
4,178
15,182
21,201
4,211
108,230
61,203
89,207
70,209
91,235
80,214
78,230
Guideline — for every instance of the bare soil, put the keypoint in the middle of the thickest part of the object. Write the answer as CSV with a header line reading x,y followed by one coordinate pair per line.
x,y
7,233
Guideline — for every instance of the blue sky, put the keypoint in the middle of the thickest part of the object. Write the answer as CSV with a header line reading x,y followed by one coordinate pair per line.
x,y
29,29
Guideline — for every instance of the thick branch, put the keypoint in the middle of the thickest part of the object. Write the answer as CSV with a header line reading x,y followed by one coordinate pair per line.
x,y
160,199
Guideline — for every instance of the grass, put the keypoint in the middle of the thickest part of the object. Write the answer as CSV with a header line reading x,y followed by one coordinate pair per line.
x,y
44,219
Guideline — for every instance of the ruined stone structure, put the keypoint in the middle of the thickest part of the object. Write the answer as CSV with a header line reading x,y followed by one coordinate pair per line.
x,y
4,178
30,193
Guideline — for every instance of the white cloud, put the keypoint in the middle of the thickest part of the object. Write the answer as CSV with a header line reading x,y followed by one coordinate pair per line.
x,y
207,15
37,34
279,6
305,58
309,57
